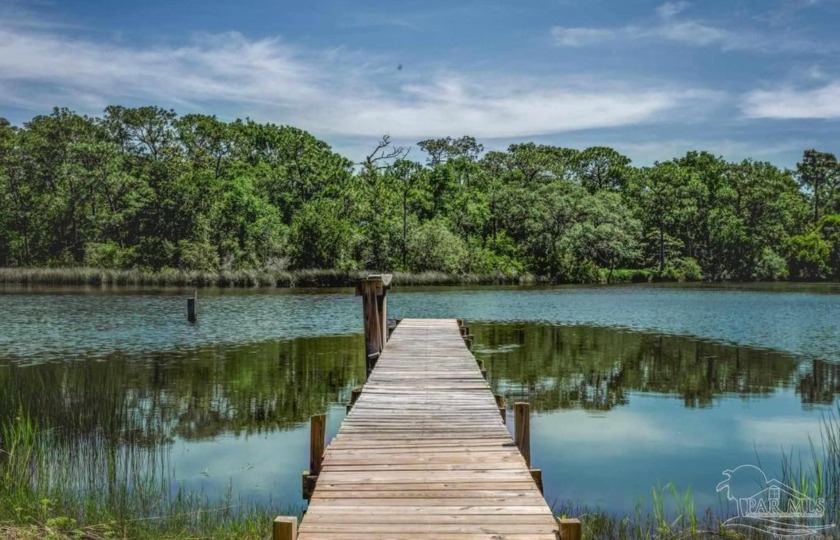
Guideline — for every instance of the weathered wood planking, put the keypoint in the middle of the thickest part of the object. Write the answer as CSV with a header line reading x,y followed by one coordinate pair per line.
x,y
423,453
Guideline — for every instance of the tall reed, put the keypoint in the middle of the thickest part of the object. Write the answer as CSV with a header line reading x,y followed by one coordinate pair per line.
x,y
170,277
97,487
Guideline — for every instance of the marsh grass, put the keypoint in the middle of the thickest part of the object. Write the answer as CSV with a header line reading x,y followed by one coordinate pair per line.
x,y
600,525
97,488
672,516
440,278
627,275
103,476
240,278
817,475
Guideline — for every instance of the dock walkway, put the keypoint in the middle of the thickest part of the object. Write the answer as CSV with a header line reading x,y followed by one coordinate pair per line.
x,y
424,454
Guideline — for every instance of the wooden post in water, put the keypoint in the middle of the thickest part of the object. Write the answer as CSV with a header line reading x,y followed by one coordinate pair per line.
x,y
570,529
191,306
522,429
382,312
500,403
536,474
285,528
354,395
317,433
375,311
394,327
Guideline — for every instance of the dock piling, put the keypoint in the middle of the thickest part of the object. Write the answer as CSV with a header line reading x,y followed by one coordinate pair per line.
x,y
522,429
285,528
317,433
375,311
536,474
354,395
570,529
500,403
191,306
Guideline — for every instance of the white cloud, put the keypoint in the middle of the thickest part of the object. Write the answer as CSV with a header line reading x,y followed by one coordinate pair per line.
x,y
786,432
227,67
648,152
579,37
687,31
657,434
788,103
493,108
669,9
694,33
334,92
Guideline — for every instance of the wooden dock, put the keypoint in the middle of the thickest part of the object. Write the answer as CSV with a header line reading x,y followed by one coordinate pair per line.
x,y
424,454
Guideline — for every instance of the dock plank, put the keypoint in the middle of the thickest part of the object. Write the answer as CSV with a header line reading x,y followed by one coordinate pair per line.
x,y
423,453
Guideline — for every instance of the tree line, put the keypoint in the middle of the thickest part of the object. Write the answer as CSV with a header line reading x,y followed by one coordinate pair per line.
x,y
146,188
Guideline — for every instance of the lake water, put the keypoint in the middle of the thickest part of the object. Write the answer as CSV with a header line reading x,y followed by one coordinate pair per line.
x,y
631,386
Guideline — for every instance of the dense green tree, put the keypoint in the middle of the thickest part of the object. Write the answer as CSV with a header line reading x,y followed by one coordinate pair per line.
x,y
246,228
819,175
290,165
142,187
8,226
319,238
380,223
442,150
816,254
600,168
552,214
607,235
408,176
660,195
769,208
433,247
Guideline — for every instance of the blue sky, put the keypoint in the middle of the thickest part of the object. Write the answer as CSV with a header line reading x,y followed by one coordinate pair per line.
x,y
740,78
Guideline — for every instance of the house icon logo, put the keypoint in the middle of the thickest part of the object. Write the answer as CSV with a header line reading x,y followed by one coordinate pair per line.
x,y
771,506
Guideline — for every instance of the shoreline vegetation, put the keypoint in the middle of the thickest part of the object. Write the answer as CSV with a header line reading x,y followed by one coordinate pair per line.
x,y
291,279
101,488
275,279
239,201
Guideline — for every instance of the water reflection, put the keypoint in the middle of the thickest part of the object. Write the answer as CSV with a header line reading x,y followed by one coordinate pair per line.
x,y
586,367
191,395
619,412
607,427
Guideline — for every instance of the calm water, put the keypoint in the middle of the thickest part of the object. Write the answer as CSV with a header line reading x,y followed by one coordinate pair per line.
x,y
630,386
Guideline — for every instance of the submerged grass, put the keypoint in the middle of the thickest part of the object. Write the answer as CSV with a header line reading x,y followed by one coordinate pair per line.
x,y
98,488
241,278
817,475
672,516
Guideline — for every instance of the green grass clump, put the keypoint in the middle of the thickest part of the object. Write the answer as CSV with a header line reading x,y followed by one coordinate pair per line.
x,y
673,516
99,488
818,474
627,275
170,277
441,278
